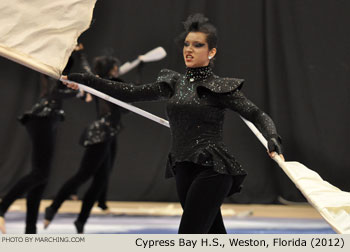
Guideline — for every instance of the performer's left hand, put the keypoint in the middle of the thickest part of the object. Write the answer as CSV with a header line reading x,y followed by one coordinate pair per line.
x,y
70,85
275,147
273,154
88,97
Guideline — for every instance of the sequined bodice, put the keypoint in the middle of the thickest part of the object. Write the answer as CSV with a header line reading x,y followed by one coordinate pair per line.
x,y
50,102
195,121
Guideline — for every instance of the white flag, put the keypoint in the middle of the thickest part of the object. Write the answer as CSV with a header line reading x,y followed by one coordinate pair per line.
x,y
332,203
42,34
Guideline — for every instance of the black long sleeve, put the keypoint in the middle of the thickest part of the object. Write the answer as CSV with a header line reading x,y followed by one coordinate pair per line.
x,y
126,92
239,103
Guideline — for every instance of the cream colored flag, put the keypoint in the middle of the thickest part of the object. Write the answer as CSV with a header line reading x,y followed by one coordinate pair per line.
x,y
41,34
332,203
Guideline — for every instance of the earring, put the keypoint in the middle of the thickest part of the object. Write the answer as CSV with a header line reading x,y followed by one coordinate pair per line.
x,y
210,57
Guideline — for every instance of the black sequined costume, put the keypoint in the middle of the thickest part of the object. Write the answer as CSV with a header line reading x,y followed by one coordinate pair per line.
x,y
100,141
49,104
41,123
205,172
106,126
195,108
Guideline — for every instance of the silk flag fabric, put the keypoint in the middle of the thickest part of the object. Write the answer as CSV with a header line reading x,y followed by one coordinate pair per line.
x,y
41,34
332,203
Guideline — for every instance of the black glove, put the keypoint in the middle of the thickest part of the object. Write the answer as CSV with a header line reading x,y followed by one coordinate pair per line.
x,y
274,144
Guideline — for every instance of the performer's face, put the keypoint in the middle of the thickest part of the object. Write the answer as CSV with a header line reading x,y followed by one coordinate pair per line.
x,y
114,72
196,50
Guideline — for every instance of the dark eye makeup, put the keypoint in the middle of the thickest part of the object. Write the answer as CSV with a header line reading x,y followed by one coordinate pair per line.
x,y
195,44
198,45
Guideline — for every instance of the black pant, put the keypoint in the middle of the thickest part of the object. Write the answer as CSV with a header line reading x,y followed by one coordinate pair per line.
x,y
102,199
96,163
201,191
42,132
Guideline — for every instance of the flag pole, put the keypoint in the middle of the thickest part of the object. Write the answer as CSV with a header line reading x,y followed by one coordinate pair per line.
x,y
120,103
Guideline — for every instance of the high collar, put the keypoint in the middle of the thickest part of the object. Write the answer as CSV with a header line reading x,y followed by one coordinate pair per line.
x,y
198,73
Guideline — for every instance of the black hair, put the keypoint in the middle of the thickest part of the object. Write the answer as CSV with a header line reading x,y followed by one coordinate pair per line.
x,y
104,64
199,23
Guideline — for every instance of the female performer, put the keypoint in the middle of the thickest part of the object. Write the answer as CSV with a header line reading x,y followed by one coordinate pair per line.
x,y
41,123
204,171
100,141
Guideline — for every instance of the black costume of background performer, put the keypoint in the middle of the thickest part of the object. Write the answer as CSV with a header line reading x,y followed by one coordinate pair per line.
x,y
41,123
100,141
204,170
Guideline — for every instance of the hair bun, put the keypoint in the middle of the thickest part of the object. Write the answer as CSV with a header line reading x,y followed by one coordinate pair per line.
x,y
193,22
199,23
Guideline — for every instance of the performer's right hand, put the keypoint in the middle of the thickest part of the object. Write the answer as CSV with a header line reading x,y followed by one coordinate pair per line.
x,y
275,147
70,85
